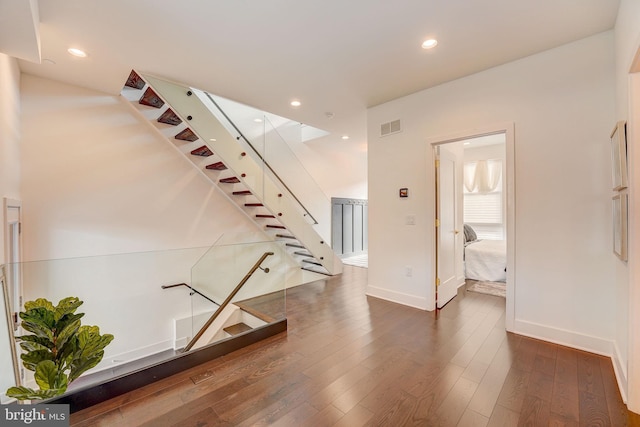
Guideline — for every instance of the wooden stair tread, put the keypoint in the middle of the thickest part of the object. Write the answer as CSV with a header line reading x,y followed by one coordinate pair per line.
x,y
269,308
135,81
282,227
232,180
170,118
285,236
187,135
314,262
202,151
294,245
219,166
151,99
242,193
237,329
307,254
265,216
326,273
253,205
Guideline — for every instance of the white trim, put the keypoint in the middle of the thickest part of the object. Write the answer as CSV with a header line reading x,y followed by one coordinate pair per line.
x,y
508,128
564,337
620,371
414,301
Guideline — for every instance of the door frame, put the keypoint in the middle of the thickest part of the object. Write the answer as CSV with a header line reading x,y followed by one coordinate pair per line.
x,y
508,129
13,204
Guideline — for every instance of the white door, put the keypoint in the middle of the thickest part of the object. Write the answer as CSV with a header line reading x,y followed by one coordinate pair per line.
x,y
446,230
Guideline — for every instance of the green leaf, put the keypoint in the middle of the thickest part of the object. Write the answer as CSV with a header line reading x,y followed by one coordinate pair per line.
x,y
38,321
35,340
39,303
26,393
69,331
90,350
49,377
67,306
29,346
30,360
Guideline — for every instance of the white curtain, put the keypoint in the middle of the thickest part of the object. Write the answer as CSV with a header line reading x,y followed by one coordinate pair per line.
x,y
482,176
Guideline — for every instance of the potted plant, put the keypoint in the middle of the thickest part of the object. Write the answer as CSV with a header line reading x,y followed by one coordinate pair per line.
x,y
59,348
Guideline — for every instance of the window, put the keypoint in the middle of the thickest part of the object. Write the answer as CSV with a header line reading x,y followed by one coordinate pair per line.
x,y
483,198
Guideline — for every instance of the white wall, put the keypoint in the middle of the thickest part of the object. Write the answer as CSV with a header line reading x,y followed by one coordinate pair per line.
x,y
9,136
627,43
562,105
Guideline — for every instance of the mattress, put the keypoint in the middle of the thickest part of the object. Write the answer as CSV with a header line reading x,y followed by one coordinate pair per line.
x,y
486,260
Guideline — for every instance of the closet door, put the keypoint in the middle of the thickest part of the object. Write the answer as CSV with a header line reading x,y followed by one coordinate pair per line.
x,y
349,226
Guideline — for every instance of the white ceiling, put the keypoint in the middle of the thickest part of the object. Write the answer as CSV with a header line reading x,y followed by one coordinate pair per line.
x,y
338,56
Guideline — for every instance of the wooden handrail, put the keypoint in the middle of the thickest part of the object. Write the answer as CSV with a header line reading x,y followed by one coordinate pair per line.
x,y
226,302
192,290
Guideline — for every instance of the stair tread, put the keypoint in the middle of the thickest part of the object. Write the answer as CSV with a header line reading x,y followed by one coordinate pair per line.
x,y
151,99
237,329
232,180
282,227
253,205
170,118
314,262
326,273
293,245
242,193
285,236
203,151
265,216
307,254
187,135
135,81
219,166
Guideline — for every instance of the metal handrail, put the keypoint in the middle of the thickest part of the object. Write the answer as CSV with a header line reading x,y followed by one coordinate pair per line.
x,y
193,290
226,302
315,221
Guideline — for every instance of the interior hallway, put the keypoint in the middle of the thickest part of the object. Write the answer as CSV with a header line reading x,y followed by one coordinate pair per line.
x,y
351,360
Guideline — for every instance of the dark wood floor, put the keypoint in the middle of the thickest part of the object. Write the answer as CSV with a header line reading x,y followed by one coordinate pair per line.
x,y
351,360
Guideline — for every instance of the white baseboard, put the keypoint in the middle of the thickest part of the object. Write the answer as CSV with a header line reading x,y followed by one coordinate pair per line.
x,y
621,372
399,297
564,337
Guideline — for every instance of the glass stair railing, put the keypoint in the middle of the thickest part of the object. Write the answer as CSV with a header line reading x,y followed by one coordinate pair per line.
x,y
242,151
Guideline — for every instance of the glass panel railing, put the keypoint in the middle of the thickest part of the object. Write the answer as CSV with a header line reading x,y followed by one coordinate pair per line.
x,y
122,295
245,274
151,302
273,141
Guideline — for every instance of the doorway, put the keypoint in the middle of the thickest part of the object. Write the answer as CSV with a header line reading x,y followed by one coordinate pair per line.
x,y
498,224
13,253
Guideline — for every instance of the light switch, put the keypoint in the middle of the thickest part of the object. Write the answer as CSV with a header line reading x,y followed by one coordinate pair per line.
x,y
411,220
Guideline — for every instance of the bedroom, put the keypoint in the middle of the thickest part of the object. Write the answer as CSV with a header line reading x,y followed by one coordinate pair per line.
x,y
474,171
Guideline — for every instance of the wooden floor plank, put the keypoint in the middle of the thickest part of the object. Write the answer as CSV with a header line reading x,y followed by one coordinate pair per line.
x,y
352,360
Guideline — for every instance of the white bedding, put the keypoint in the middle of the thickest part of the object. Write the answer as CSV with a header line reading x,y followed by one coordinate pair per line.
x,y
486,260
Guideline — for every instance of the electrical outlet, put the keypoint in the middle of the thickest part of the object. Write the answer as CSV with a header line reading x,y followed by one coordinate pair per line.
x,y
408,271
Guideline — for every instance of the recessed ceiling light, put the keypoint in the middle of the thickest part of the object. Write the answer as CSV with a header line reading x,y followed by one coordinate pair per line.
x,y
296,103
345,137
77,52
466,143
213,140
257,120
429,43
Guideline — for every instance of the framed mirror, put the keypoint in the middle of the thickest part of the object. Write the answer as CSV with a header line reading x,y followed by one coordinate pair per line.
x,y
9,372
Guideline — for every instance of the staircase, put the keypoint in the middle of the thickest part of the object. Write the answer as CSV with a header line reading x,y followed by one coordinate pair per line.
x,y
190,120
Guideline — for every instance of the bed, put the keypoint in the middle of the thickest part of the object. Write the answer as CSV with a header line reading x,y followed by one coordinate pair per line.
x,y
485,260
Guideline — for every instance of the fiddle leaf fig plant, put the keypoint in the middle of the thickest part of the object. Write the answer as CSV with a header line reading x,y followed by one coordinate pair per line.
x,y
59,348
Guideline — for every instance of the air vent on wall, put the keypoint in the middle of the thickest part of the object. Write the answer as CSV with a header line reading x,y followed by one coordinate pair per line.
x,y
389,128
